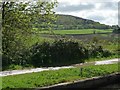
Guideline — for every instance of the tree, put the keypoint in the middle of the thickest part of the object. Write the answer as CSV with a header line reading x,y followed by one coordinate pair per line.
x,y
116,29
17,23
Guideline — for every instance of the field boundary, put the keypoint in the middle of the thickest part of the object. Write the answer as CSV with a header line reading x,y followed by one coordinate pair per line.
x,y
89,34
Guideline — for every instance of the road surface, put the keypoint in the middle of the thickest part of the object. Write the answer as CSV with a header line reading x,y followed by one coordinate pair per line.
x,y
16,72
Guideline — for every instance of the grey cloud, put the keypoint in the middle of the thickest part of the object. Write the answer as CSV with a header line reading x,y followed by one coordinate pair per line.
x,y
109,6
96,17
63,7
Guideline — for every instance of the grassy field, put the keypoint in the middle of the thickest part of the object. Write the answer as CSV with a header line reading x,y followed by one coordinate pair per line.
x,y
37,38
47,78
101,38
81,31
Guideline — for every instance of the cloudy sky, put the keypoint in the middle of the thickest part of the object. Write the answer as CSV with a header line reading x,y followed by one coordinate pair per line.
x,y
103,11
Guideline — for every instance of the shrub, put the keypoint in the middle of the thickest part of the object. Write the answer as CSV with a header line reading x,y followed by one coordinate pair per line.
x,y
14,67
59,52
5,61
98,51
40,54
106,53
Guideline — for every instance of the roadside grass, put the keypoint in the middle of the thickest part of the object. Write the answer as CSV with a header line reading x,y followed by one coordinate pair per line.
x,y
46,78
0,83
81,31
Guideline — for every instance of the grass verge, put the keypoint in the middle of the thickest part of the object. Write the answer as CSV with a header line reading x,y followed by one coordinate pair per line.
x,y
51,77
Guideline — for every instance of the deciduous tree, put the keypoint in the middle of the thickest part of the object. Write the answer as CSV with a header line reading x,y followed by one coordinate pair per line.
x,y
18,19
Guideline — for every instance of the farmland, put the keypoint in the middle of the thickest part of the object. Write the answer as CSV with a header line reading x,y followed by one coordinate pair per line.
x,y
81,31
102,37
47,78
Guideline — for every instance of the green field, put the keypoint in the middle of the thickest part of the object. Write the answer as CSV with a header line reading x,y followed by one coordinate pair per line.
x,y
37,38
46,78
81,31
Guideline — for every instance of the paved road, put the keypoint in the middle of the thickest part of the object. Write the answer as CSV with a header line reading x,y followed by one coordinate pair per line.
x,y
16,72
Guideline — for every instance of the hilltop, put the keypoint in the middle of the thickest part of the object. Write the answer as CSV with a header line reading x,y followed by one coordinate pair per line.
x,y
73,22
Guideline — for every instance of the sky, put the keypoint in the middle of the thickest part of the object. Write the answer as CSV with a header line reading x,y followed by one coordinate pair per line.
x,y
103,11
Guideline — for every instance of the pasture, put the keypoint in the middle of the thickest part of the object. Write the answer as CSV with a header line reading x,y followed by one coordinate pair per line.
x,y
81,31
102,37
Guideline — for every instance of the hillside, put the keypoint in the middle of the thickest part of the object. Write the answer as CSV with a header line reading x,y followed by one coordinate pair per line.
x,y
73,22
68,22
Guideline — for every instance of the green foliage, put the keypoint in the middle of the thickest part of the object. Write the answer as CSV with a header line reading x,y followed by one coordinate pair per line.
x,y
46,78
98,51
66,22
17,23
13,67
116,29
59,52
12,20
64,52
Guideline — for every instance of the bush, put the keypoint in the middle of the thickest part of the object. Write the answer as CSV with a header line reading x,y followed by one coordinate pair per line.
x,y
40,54
98,51
14,67
59,52
5,61
106,53
62,52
